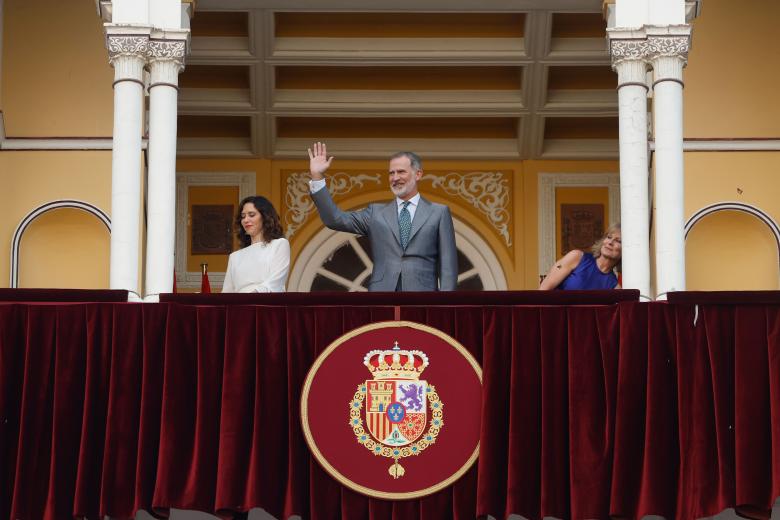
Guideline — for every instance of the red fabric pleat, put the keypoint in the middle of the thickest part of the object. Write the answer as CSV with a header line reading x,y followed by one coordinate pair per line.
x,y
587,411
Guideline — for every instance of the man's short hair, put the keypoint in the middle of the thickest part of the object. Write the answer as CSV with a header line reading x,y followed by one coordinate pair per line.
x,y
414,159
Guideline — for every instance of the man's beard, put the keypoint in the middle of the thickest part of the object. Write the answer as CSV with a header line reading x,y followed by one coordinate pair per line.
x,y
402,191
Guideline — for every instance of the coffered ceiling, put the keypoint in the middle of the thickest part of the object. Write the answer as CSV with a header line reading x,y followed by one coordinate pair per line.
x,y
505,80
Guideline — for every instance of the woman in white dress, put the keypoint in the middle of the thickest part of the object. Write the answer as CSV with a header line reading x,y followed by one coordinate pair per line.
x,y
262,263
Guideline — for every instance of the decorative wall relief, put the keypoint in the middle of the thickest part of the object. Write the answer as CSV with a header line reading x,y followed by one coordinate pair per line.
x,y
486,191
581,226
212,226
299,203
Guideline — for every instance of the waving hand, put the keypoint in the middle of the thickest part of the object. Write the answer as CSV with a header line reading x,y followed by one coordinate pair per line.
x,y
318,161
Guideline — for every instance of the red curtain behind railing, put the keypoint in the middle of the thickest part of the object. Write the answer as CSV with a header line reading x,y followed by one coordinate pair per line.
x,y
589,411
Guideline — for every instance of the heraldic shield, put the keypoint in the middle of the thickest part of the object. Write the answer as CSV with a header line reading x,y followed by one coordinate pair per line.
x,y
395,406
395,410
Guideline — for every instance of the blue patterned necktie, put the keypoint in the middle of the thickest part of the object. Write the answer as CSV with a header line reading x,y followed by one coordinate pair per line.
x,y
405,224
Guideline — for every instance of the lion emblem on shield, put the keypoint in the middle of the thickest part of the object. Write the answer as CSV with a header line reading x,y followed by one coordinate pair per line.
x,y
390,412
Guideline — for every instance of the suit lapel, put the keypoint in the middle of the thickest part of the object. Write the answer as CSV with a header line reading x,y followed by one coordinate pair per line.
x,y
390,214
424,210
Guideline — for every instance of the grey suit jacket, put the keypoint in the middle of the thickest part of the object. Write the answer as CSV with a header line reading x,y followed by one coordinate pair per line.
x,y
429,255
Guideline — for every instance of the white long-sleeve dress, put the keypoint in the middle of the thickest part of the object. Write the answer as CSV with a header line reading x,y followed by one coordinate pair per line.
x,y
259,267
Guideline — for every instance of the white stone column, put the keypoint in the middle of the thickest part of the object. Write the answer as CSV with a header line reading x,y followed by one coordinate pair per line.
x,y
668,54
127,54
166,60
631,67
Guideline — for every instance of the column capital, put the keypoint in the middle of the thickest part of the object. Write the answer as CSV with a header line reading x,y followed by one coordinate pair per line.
x,y
167,49
668,41
127,54
627,45
166,60
629,60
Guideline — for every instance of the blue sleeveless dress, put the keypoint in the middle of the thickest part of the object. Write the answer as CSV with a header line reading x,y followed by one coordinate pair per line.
x,y
587,276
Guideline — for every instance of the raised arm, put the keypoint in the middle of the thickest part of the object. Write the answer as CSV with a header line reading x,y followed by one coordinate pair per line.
x,y
561,269
353,221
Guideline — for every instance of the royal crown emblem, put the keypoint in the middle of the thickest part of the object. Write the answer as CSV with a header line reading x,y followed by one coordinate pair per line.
x,y
390,412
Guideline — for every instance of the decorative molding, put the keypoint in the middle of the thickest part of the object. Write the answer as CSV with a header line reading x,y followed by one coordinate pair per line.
x,y
173,50
246,187
486,191
126,45
547,219
299,203
16,241
648,47
623,50
728,145
668,46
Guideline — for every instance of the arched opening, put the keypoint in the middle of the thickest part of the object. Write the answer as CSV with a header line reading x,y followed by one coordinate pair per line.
x,y
731,249
334,261
62,245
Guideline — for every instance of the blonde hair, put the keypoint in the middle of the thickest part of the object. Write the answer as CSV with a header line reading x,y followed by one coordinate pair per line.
x,y
596,247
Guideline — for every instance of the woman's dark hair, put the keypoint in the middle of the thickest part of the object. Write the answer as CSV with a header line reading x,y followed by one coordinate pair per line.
x,y
272,226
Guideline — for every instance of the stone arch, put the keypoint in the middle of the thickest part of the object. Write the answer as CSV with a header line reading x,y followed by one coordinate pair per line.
x,y
41,210
746,247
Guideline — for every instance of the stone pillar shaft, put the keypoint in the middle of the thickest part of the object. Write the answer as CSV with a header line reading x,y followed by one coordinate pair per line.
x,y
634,191
128,56
668,55
166,60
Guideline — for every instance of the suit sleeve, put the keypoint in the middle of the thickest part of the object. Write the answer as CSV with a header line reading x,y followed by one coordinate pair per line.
x,y
448,253
350,221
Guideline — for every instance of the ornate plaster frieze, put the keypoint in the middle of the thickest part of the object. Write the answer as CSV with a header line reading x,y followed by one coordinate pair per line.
x,y
668,46
167,50
299,203
127,45
622,50
486,191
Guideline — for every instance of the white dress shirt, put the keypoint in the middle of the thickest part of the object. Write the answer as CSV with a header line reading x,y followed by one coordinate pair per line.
x,y
259,267
414,201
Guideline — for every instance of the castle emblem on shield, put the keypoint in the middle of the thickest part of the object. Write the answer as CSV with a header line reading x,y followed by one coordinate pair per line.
x,y
389,414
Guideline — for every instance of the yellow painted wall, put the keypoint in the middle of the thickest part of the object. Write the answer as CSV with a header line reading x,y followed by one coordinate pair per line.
x,y
65,248
745,177
732,74
731,251
31,179
57,85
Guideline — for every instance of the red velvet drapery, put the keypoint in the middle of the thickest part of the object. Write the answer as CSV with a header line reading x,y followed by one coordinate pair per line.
x,y
589,411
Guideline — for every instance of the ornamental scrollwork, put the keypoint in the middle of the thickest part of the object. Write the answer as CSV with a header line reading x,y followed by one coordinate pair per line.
x,y
486,191
298,200
127,46
627,50
671,46
167,50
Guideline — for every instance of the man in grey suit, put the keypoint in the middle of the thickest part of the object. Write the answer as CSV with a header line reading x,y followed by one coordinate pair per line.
x,y
412,239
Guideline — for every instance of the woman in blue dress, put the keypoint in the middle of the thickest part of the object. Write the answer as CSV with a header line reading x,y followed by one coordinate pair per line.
x,y
588,271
